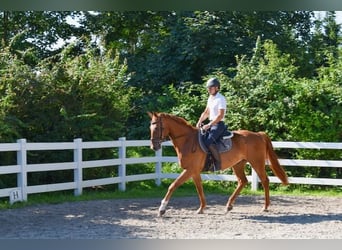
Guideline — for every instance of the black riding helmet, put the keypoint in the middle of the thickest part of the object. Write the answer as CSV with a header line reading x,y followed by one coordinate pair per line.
x,y
213,82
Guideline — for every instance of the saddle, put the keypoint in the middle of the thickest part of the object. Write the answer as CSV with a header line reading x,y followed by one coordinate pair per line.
x,y
223,144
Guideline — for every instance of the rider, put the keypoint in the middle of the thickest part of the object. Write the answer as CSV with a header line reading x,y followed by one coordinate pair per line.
x,y
215,111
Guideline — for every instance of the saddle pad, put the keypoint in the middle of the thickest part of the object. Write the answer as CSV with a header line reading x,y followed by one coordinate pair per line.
x,y
223,145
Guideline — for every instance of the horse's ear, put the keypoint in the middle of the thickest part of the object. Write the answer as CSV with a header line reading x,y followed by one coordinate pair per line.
x,y
150,114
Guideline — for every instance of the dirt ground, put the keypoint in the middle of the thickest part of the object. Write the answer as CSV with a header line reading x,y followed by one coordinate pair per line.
x,y
289,217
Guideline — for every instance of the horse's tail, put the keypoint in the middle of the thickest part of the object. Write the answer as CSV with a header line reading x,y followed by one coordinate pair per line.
x,y
273,158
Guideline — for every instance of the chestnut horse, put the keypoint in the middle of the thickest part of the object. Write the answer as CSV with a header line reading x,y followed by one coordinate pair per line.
x,y
252,147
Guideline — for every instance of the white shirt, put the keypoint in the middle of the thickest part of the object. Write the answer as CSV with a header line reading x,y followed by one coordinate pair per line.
x,y
215,103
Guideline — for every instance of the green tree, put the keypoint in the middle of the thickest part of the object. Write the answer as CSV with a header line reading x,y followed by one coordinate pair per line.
x,y
325,42
65,97
14,75
259,94
318,114
200,42
34,34
89,94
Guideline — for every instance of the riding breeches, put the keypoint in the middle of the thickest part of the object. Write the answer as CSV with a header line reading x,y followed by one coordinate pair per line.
x,y
214,132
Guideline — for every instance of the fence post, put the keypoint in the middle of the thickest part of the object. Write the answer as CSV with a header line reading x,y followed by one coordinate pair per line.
x,y
122,166
159,154
78,171
22,162
255,181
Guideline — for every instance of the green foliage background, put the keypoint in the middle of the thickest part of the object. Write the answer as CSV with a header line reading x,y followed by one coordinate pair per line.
x,y
280,71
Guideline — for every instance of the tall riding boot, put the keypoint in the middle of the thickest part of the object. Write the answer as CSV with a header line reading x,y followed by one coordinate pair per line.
x,y
216,156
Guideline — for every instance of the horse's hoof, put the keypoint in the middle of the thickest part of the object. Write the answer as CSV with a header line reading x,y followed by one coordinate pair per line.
x,y
200,211
161,213
265,210
229,208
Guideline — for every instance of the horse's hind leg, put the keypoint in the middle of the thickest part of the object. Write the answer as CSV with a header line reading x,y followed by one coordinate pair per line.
x,y
199,187
261,172
239,171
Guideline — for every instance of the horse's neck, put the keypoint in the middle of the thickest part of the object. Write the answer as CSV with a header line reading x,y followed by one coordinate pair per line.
x,y
179,130
180,134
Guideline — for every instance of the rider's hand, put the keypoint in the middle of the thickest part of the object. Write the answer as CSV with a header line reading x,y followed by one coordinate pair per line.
x,y
206,126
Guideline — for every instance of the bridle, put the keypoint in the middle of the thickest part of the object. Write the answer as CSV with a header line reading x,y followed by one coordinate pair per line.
x,y
158,139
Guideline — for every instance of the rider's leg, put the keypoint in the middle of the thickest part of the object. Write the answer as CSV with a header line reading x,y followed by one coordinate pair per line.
x,y
214,133
216,155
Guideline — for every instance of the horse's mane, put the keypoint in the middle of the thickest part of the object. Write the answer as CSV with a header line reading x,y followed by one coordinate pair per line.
x,y
176,118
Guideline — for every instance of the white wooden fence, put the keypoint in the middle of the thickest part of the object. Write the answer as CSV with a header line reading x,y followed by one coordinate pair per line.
x,y
22,168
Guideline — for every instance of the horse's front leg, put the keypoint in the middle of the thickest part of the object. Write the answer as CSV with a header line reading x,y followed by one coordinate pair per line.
x,y
199,187
183,177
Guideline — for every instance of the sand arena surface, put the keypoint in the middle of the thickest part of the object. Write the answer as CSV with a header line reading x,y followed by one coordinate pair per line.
x,y
289,217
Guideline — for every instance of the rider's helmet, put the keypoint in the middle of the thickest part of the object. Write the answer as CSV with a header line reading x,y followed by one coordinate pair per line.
x,y
213,82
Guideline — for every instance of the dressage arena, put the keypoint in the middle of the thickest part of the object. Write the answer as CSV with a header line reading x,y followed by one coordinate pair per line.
x,y
289,217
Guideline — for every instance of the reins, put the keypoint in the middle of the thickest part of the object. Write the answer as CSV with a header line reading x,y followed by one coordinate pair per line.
x,y
174,138
160,137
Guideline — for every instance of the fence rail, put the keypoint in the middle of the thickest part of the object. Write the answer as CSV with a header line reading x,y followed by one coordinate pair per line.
x,y
22,168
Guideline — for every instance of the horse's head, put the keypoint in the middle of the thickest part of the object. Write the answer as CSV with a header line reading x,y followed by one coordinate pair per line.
x,y
158,131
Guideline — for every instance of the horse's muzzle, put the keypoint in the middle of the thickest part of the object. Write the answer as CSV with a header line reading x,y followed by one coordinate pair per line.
x,y
155,145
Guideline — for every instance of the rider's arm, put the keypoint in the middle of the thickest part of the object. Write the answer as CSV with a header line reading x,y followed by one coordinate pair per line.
x,y
203,117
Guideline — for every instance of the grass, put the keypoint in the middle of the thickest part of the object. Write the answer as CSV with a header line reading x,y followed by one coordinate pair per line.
x,y
148,189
